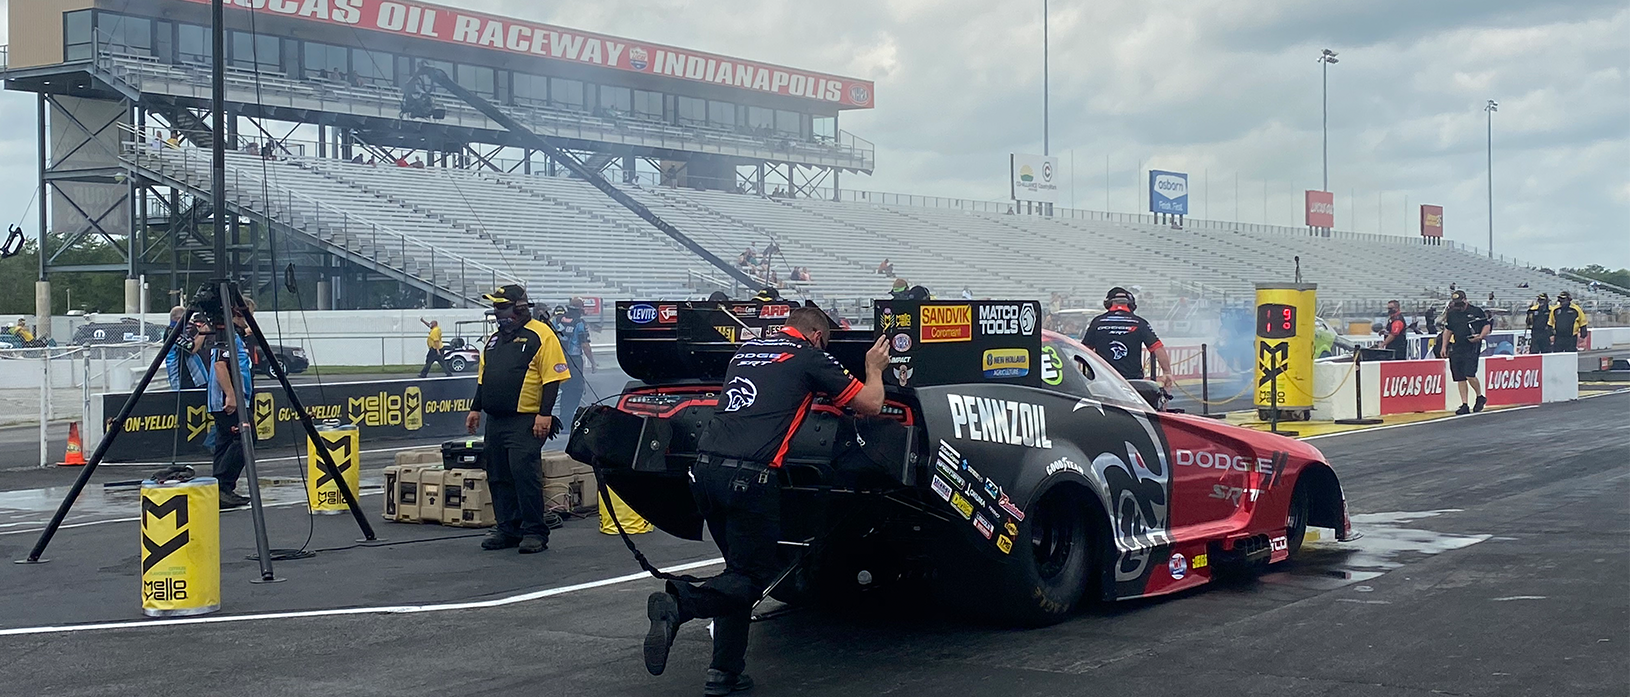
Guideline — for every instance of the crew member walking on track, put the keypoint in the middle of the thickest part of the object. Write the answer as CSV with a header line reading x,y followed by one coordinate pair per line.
x,y
434,355
223,407
768,388
1464,327
1539,325
516,385
574,339
1567,324
1119,336
1396,335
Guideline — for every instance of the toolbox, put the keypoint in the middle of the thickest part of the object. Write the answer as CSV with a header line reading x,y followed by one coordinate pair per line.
x,y
465,453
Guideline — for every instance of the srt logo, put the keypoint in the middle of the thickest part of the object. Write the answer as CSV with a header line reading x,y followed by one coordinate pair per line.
x,y
1117,349
740,393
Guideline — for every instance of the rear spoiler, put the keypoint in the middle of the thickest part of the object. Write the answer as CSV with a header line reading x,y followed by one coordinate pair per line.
x,y
932,342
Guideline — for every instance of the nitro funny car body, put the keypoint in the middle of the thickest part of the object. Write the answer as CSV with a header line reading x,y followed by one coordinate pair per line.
x,y
1010,463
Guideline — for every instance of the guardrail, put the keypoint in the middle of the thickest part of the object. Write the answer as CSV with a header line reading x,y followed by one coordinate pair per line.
x,y
345,228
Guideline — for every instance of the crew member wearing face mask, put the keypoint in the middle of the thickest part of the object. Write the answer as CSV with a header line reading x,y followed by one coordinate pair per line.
x,y
1464,327
519,377
768,389
1539,325
1567,324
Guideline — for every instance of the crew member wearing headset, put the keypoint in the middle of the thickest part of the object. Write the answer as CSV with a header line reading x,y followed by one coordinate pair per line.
x,y
1119,336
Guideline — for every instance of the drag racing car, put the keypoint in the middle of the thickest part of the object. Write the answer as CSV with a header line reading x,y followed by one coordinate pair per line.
x,y
1012,470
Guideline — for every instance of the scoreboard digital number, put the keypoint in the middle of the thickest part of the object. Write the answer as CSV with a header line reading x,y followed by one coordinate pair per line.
x,y
1275,321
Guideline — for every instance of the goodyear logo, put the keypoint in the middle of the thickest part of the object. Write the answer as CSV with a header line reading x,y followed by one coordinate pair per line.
x,y
265,416
412,408
944,323
1007,363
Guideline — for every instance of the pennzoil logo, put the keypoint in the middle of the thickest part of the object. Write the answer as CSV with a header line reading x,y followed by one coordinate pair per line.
x,y
265,416
198,421
412,408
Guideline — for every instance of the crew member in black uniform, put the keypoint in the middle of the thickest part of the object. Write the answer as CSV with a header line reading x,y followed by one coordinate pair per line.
x,y
768,389
1395,337
1119,337
1539,325
1464,327
519,377
1567,323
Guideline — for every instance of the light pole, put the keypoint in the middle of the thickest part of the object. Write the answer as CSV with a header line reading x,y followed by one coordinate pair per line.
x,y
1489,109
1326,58
1044,132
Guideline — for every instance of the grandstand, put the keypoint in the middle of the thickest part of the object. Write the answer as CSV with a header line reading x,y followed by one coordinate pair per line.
x,y
734,163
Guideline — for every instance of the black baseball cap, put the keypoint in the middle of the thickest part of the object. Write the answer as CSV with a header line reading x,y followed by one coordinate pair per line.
x,y
1564,295
512,293
1458,295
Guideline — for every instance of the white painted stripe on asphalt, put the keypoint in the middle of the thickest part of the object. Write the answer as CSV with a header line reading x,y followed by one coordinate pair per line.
x,y
385,609
1418,423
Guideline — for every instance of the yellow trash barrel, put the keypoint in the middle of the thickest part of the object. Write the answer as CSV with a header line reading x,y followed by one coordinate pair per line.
x,y
344,443
180,547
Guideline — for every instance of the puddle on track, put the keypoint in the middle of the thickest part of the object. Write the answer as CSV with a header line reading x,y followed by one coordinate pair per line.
x,y
1385,543
31,509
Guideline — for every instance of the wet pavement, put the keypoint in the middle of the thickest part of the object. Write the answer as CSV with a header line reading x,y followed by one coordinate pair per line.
x,y
1493,561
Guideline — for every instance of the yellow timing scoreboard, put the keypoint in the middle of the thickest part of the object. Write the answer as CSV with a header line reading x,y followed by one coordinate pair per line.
x,y
1284,348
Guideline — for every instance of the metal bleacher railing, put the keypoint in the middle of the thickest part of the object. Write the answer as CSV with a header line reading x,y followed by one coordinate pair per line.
x,y
386,246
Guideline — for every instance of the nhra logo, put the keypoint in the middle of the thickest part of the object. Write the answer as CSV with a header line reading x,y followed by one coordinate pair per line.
x,y
642,314
638,58
859,94
999,421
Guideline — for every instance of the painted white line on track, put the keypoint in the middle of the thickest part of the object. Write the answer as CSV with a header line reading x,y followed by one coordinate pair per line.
x,y
1418,423
380,610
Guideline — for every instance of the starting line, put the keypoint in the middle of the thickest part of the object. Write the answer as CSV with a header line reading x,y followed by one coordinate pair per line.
x,y
380,610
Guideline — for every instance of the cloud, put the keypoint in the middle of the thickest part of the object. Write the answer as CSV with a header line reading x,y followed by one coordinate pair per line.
x,y
1224,89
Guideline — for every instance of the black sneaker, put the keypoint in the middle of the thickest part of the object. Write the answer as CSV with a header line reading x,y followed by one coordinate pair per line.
x,y
722,683
1463,410
499,540
1481,402
232,499
663,609
532,544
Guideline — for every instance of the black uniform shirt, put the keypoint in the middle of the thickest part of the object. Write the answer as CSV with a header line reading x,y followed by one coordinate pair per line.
x,y
1118,336
768,389
1463,325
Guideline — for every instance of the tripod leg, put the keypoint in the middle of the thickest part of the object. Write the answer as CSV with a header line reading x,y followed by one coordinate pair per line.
x,y
327,464
232,303
102,448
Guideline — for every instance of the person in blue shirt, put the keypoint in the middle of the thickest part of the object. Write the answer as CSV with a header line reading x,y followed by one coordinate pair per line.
x,y
183,362
573,331
223,407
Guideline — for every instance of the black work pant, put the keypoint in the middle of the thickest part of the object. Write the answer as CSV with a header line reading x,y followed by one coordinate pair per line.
x,y
515,474
434,357
1565,344
228,452
742,505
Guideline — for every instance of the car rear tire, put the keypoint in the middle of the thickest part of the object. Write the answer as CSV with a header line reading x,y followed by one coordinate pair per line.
x,y
457,364
1046,574
1296,519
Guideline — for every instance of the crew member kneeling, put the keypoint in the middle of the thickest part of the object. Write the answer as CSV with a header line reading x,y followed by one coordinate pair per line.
x,y
736,482
519,377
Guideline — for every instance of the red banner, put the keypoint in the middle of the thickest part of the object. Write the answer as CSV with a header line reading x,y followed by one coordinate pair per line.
x,y
1321,209
463,27
1431,221
1408,386
1513,380
1186,363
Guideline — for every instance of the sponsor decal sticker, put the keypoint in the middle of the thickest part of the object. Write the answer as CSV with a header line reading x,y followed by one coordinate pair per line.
x,y
667,314
726,331
951,474
978,501
1012,510
1011,529
1279,544
744,310
1003,320
641,314
1006,363
902,342
1052,368
941,488
903,373
893,320
1178,566
983,526
1200,562
998,421
1064,464
1004,543
945,323
774,312
961,505
560,367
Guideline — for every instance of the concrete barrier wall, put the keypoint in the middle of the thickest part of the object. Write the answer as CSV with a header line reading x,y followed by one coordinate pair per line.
x,y
357,337
1400,387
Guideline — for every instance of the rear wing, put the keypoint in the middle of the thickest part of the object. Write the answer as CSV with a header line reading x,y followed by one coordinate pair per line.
x,y
931,342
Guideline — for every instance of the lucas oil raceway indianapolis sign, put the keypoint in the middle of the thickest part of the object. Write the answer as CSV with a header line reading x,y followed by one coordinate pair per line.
x,y
462,27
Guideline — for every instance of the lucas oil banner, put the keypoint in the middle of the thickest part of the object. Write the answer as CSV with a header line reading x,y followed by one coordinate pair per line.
x,y
163,423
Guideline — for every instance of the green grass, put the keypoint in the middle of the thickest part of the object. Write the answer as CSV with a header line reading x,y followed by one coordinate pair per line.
x,y
363,369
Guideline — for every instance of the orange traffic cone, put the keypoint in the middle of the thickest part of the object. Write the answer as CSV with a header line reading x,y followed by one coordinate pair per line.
x,y
76,450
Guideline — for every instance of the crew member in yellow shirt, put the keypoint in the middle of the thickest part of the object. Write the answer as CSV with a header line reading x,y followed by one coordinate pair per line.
x,y
434,354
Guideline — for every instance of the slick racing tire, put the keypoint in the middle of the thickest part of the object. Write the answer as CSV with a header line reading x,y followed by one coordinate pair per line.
x,y
1046,575
1296,519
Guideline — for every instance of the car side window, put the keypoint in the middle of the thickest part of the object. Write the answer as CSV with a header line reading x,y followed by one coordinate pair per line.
x,y
1084,374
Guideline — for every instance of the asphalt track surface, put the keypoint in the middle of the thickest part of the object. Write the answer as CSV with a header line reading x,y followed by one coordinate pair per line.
x,y
1495,563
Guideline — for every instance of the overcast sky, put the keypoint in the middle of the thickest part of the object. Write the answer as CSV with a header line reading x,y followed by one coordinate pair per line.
x,y
1226,90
